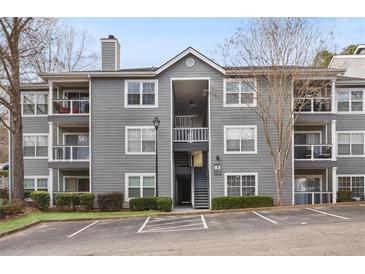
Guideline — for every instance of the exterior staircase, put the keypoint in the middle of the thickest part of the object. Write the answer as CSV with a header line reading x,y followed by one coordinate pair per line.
x,y
201,190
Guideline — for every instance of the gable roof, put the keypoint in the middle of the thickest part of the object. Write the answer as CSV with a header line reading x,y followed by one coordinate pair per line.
x,y
194,52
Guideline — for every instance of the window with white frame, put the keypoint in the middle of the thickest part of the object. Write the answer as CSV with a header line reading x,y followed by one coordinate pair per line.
x,y
34,103
350,100
35,146
140,140
140,185
141,93
350,143
240,139
352,183
240,93
35,184
241,184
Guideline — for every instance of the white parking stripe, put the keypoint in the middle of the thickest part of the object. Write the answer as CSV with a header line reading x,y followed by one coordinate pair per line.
x,y
329,214
155,219
168,223
172,230
204,222
82,229
362,205
146,229
265,218
144,224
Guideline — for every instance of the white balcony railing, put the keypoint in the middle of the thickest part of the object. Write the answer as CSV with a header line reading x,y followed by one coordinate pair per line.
x,y
313,104
312,197
190,135
70,153
67,107
184,121
313,152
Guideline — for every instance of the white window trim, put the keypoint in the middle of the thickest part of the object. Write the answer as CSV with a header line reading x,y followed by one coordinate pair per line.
x,y
74,177
241,105
35,135
36,180
36,93
126,140
140,175
350,175
240,152
350,132
241,174
141,81
349,91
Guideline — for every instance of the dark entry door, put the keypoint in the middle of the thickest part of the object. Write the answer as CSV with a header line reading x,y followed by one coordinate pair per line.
x,y
184,189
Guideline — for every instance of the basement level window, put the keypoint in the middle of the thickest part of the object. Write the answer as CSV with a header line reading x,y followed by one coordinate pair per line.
x,y
140,93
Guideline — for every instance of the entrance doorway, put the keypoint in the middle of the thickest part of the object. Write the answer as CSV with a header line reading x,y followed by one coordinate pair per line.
x,y
183,189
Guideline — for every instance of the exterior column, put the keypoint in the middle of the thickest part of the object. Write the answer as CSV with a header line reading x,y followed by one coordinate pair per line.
x,y
334,140
333,96
50,98
50,185
50,141
334,185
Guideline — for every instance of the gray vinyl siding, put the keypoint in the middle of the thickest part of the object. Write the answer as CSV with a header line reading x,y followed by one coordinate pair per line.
x,y
350,122
108,55
108,121
260,162
35,167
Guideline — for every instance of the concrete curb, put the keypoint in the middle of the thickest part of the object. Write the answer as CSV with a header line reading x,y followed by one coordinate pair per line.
x,y
195,212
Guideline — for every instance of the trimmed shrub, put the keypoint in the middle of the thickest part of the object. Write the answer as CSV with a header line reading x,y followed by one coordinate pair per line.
x,y
164,204
151,203
344,196
230,202
112,201
87,200
69,200
139,204
14,208
41,199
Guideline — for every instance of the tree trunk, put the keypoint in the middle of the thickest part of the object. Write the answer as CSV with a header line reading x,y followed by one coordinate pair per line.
x,y
279,187
18,161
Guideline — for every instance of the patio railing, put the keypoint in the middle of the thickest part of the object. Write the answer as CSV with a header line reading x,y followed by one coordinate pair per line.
x,y
312,152
190,135
65,106
70,153
313,104
312,197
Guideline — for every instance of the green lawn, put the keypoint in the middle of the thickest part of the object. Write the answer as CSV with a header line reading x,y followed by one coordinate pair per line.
x,y
9,225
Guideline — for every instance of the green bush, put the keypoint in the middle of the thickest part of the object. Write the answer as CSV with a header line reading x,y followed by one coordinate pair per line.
x,y
112,201
87,200
229,202
139,204
41,199
164,204
344,196
151,203
69,200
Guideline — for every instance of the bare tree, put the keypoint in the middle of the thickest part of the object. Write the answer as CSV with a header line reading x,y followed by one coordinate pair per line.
x,y
273,57
21,38
66,49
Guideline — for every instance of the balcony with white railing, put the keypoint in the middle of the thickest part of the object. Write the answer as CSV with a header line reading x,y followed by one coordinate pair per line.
x,y
313,104
71,107
63,153
190,135
313,152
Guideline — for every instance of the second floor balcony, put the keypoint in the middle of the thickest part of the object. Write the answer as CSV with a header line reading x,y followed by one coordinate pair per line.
x,y
313,152
71,107
313,104
190,135
66,153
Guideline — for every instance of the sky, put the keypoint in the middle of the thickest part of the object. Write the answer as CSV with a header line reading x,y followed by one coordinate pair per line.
x,y
149,42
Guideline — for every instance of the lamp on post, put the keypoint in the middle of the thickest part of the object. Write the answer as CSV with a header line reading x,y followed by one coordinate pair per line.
x,y
156,123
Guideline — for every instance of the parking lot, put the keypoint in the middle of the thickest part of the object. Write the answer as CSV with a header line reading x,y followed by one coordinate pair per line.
x,y
300,231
